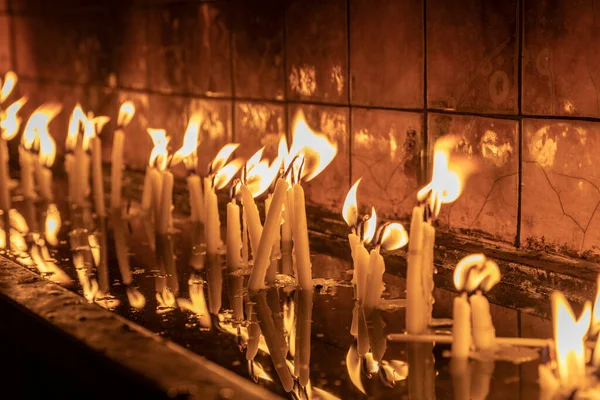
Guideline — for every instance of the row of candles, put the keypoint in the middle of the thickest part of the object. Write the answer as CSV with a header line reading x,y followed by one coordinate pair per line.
x,y
284,234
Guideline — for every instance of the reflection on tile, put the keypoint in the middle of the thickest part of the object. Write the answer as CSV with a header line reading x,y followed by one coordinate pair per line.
x,y
5,40
561,67
386,147
386,50
472,55
258,49
132,66
330,187
258,125
559,167
189,48
317,59
136,136
488,203
215,131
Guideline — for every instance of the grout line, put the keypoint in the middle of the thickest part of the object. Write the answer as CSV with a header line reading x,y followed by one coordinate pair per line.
x,y
350,134
520,42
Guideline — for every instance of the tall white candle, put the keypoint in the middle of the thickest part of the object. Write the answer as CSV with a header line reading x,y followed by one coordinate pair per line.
x,y
301,245
166,203
212,226
46,184
272,269
195,198
97,177
116,169
234,239
461,330
287,244
252,218
70,169
27,172
375,280
269,234
4,176
416,321
81,175
146,202
156,183
361,271
484,333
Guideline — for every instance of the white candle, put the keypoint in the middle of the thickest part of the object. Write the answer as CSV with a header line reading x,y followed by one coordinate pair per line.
x,y
375,280
272,269
97,176
70,169
27,172
116,170
81,175
354,241
46,184
301,244
269,234
4,176
287,262
212,227
461,330
146,202
166,203
416,321
234,239
484,333
195,198
361,271
252,218
156,183
121,249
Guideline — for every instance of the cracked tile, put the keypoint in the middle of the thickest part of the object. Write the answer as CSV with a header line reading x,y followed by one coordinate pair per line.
x,y
258,49
561,68
488,203
329,188
189,48
317,59
559,166
258,125
386,147
472,55
386,72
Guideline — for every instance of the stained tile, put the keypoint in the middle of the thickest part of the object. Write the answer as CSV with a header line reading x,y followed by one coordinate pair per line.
x,y
329,188
386,147
561,68
386,53
258,125
472,55
488,203
258,49
189,48
5,42
559,166
132,65
317,59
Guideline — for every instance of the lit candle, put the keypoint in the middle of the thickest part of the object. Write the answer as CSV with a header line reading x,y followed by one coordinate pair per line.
x,y
126,112
152,192
417,301
252,218
461,327
166,203
276,249
76,122
234,239
95,125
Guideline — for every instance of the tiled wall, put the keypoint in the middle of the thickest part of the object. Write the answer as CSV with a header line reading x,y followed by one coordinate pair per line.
x,y
517,80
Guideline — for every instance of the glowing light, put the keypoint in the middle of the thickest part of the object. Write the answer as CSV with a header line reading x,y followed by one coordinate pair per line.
x,y
159,153
8,84
369,226
259,174
189,150
76,121
10,122
569,340
476,271
393,236
222,156
52,224
224,175
350,209
126,112
36,133
447,180
316,148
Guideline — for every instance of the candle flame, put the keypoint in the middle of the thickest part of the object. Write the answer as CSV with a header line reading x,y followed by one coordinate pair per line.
x,y
189,150
569,339
259,174
126,112
76,121
393,236
224,175
8,84
353,361
369,226
317,149
36,133
92,126
159,153
257,372
166,300
52,224
10,121
136,299
350,209
476,271
447,179
221,158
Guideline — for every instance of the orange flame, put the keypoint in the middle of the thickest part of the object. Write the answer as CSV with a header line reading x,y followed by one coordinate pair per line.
x,y
476,271
92,126
447,179
159,153
350,209
369,226
189,150
9,83
52,224
76,121
224,175
318,151
36,133
126,112
10,122
222,156
569,340
259,174
393,236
